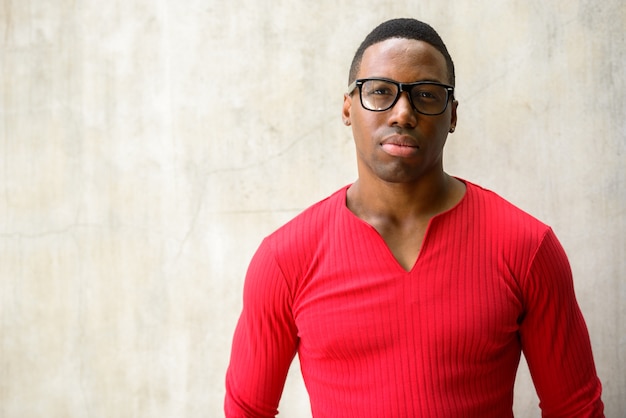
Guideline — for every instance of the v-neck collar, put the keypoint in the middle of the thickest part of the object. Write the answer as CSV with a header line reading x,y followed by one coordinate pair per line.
x,y
427,234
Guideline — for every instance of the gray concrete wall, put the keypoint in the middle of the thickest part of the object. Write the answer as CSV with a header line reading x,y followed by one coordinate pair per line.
x,y
148,146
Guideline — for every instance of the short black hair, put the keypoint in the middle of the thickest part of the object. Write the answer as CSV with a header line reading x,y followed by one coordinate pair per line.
x,y
402,28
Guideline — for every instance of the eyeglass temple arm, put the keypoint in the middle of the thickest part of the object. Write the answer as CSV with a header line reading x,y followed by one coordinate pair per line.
x,y
351,87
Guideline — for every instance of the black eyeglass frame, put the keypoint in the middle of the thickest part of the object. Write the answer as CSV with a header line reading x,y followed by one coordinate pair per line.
x,y
401,87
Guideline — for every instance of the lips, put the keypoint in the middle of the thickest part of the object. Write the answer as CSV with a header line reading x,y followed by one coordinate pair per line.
x,y
400,146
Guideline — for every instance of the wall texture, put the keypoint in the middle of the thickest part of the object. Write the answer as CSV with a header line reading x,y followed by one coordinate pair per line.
x,y
147,146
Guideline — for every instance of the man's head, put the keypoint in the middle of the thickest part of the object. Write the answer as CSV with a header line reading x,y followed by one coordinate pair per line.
x,y
402,28
400,137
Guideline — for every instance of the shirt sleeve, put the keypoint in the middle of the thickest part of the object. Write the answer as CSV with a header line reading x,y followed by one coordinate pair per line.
x,y
555,340
264,343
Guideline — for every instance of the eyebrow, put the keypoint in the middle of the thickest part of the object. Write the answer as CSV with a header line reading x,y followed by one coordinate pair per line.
x,y
447,83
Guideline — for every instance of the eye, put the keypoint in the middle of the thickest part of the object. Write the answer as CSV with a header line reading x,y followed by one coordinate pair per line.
x,y
379,88
380,91
424,95
429,94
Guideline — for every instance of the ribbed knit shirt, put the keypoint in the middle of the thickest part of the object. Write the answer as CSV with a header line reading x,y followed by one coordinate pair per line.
x,y
441,340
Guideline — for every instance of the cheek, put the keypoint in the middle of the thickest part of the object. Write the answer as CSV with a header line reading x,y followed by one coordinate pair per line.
x,y
365,125
440,127
364,136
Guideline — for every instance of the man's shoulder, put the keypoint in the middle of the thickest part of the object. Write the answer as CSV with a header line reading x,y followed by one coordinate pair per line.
x,y
499,211
312,221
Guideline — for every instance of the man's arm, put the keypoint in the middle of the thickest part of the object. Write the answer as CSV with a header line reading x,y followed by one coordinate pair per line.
x,y
555,339
264,343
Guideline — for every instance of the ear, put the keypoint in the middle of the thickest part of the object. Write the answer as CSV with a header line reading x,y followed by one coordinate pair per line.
x,y
453,115
346,110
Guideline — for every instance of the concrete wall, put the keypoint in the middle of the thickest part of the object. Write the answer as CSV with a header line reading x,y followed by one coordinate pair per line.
x,y
147,146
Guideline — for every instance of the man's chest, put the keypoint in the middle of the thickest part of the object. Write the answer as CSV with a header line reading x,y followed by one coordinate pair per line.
x,y
374,306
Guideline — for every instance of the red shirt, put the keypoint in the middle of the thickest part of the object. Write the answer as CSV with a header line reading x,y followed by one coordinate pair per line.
x,y
443,340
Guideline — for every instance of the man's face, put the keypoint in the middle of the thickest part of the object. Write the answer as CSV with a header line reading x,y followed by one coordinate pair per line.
x,y
399,144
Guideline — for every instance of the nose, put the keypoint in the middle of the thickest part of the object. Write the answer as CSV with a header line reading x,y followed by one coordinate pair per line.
x,y
402,113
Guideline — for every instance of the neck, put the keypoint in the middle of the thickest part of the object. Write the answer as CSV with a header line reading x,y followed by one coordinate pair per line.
x,y
421,199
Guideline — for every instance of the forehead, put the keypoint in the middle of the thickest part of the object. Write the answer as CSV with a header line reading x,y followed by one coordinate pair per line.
x,y
404,60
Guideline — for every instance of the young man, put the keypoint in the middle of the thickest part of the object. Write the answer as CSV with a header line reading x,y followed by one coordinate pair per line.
x,y
410,293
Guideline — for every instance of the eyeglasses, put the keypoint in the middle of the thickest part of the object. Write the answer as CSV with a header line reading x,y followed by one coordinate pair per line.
x,y
380,94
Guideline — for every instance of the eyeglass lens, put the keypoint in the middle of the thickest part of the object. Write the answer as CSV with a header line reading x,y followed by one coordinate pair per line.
x,y
379,95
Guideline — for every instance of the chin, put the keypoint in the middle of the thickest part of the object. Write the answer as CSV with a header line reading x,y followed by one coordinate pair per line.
x,y
398,176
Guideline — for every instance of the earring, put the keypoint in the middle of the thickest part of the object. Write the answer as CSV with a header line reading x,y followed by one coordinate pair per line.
x,y
346,122
451,129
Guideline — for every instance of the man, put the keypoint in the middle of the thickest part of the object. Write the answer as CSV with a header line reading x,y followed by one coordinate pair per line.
x,y
410,293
